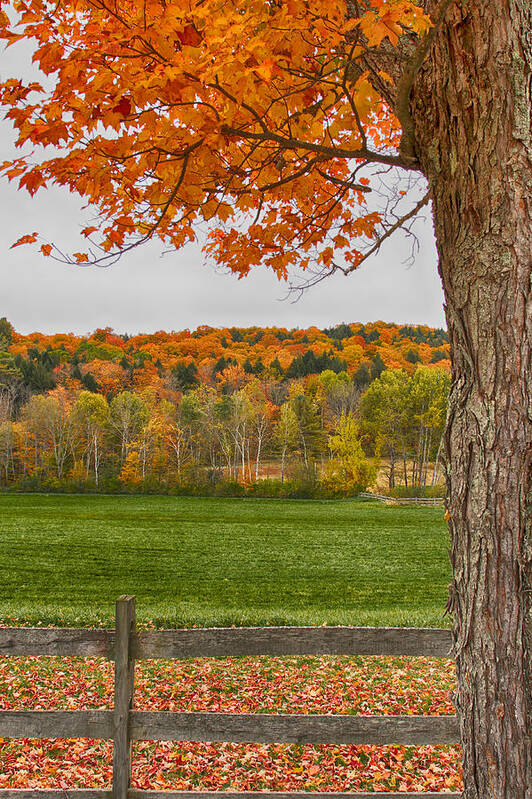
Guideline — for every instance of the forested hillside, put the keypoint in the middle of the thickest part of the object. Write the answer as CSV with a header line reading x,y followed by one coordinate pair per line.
x,y
269,410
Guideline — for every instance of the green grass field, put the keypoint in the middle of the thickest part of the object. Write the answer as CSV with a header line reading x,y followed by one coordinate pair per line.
x,y
192,561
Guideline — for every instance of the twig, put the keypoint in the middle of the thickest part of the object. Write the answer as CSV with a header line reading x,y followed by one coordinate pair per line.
x,y
400,222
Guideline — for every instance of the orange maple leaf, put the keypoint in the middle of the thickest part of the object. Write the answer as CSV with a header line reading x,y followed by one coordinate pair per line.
x,y
266,69
29,238
88,230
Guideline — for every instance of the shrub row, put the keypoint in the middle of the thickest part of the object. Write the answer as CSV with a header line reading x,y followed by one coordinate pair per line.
x,y
266,488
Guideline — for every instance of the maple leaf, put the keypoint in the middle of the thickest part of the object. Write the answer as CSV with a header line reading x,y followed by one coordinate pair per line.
x,y
266,69
88,230
327,685
123,107
237,115
189,36
32,181
28,238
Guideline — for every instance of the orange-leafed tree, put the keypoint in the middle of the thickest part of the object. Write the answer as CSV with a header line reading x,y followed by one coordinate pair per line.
x,y
109,376
268,119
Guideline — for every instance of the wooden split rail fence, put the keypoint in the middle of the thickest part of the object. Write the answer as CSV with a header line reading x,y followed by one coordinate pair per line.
x,y
123,724
403,500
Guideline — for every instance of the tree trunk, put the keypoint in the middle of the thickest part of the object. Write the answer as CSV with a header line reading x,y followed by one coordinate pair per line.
x,y
391,474
304,450
25,456
426,456
471,111
437,462
96,458
416,459
257,460
88,452
405,472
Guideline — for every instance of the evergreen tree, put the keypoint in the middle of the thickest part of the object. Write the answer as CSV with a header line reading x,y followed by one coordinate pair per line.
x,y
185,376
377,367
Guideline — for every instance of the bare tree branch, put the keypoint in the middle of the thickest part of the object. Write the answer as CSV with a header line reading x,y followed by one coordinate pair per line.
x,y
346,183
185,156
389,232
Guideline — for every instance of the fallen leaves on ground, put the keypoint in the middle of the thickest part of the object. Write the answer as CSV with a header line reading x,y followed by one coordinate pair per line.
x,y
342,685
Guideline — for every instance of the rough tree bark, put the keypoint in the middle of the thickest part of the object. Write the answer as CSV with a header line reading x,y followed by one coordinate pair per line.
x,y
471,112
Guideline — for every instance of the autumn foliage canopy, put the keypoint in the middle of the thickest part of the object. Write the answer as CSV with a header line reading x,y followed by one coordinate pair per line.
x,y
262,120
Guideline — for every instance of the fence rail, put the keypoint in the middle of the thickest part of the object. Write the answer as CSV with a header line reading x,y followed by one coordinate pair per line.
x,y
403,500
230,642
123,725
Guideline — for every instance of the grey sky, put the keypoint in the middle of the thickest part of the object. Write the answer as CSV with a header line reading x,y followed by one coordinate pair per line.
x,y
148,291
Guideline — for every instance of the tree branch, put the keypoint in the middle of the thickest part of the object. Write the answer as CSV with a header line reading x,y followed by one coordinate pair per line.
x,y
391,230
406,81
346,183
331,152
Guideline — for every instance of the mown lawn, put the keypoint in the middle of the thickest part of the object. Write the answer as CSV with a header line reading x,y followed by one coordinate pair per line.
x,y
65,559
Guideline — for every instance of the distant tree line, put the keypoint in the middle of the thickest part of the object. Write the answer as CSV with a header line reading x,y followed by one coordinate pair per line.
x,y
105,417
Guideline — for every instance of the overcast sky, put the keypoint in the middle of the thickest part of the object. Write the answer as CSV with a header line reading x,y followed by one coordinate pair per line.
x,y
148,290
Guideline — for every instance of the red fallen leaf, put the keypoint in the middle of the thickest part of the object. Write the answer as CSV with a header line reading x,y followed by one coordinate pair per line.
x,y
123,107
46,249
337,685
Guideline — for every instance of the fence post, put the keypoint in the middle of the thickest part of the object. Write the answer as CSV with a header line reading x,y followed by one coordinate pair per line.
x,y
124,687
